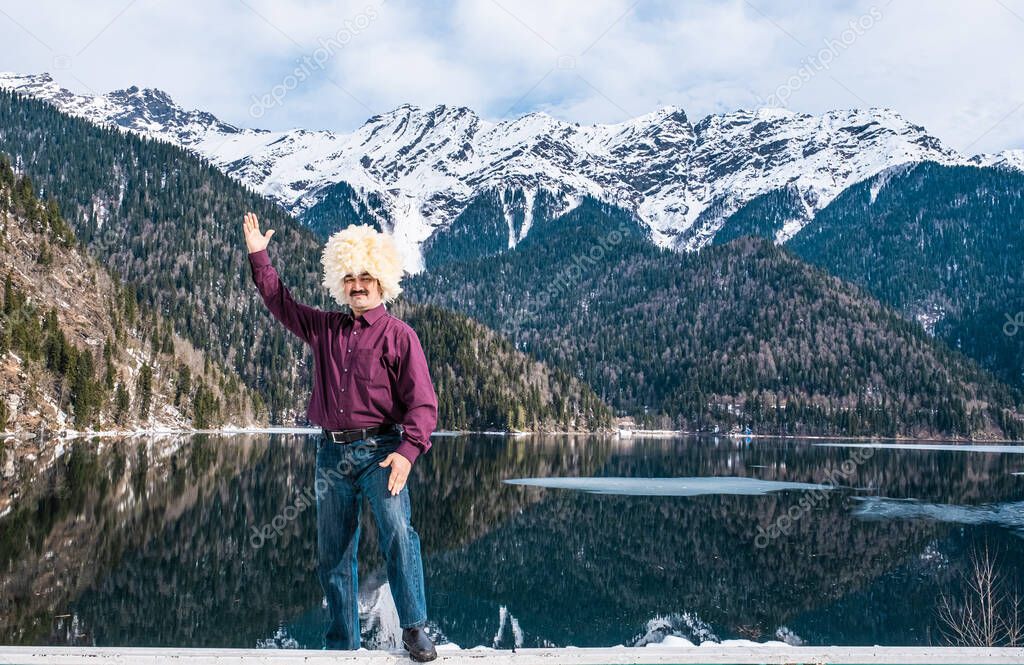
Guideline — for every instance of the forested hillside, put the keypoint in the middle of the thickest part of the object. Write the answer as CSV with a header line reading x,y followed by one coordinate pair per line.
x,y
738,334
78,351
944,245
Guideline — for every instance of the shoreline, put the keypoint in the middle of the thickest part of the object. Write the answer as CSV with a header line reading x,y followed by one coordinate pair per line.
x,y
66,434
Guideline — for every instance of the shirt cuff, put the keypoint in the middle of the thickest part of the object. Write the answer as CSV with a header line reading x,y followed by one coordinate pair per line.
x,y
408,450
259,259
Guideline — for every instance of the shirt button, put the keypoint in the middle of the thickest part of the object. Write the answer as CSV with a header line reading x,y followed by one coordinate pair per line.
x,y
345,368
350,350
342,390
341,410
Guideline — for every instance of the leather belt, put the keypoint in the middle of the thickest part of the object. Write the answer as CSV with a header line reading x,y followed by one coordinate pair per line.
x,y
343,436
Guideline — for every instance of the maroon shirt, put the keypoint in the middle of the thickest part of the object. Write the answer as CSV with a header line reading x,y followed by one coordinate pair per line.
x,y
368,371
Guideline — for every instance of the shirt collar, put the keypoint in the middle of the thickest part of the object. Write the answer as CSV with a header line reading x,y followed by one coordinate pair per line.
x,y
371,316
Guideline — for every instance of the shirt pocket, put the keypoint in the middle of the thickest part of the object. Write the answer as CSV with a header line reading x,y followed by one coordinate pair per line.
x,y
367,364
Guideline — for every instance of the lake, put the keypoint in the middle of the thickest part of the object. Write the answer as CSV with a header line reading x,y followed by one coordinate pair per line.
x,y
541,540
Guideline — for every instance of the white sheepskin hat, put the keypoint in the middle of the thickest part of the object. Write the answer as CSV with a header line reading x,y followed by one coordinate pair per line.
x,y
355,249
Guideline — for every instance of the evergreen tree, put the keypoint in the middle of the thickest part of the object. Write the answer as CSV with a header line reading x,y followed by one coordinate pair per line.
x,y
108,364
204,406
83,390
183,384
144,390
122,402
9,298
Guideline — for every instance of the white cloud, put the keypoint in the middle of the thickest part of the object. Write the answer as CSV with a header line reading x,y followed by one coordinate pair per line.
x,y
951,67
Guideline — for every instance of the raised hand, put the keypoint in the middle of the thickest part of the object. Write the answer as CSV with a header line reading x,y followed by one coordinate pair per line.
x,y
255,240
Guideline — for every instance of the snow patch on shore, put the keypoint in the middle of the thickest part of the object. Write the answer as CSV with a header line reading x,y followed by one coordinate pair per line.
x,y
955,447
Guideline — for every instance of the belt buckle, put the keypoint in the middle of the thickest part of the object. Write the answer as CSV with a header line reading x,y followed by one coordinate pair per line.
x,y
361,430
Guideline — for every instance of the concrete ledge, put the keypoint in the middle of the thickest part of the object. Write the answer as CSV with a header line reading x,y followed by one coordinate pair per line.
x,y
478,656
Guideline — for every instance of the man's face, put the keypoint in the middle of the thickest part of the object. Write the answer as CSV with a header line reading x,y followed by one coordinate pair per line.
x,y
362,291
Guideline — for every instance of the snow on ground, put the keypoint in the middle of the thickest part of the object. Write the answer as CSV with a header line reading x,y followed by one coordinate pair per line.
x,y
789,229
676,641
673,641
716,653
231,429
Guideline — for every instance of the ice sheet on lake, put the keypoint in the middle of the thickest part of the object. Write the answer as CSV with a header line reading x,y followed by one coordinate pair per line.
x,y
668,486
962,448
1009,515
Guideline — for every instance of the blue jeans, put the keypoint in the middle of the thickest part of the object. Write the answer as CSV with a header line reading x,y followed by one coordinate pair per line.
x,y
344,474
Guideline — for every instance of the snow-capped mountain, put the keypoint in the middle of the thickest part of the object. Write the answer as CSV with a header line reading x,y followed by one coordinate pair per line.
x,y
1010,159
147,111
424,166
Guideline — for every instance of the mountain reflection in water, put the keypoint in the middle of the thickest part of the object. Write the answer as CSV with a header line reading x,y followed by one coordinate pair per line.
x,y
210,541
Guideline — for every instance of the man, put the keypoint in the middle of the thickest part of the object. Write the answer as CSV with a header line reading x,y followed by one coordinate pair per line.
x,y
371,392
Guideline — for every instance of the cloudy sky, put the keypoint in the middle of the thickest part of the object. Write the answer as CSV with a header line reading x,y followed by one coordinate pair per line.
x,y
953,66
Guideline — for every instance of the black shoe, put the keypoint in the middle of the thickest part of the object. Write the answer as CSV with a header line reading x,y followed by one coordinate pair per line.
x,y
418,644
